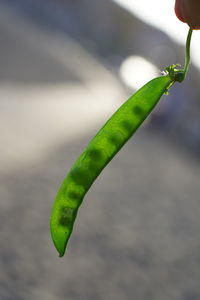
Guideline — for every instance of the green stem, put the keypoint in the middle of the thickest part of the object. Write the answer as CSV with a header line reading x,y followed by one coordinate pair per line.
x,y
179,74
187,53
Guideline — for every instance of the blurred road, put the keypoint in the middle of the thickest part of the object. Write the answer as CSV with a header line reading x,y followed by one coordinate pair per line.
x,y
49,85
137,233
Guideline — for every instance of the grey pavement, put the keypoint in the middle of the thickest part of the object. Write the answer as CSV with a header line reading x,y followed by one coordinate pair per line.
x,y
137,235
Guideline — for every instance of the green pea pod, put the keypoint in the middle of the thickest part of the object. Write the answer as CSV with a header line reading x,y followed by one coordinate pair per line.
x,y
101,149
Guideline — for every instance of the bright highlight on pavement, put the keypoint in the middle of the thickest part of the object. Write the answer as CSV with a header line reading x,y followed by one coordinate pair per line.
x,y
135,71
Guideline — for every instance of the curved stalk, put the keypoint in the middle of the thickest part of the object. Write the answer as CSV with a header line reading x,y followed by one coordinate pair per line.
x,y
187,53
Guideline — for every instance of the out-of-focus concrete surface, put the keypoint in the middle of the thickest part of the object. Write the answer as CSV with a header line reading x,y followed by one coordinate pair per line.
x,y
137,232
51,90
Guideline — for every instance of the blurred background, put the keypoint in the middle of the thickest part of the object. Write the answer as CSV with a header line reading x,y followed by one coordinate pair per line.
x,y
65,66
